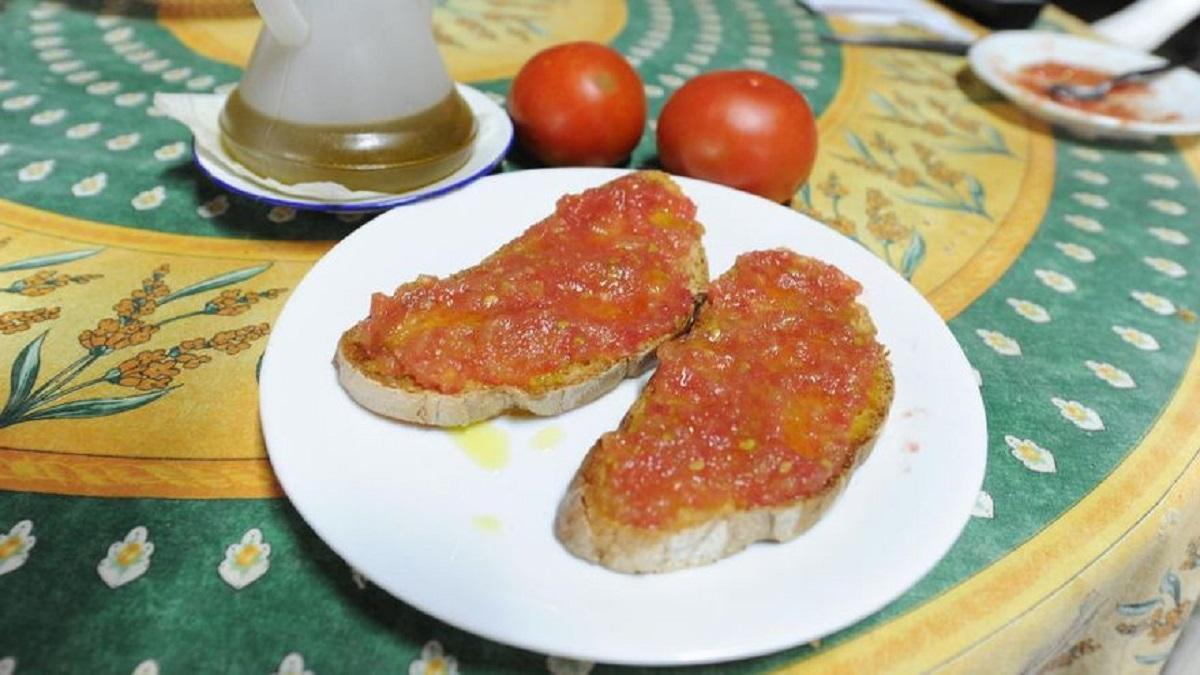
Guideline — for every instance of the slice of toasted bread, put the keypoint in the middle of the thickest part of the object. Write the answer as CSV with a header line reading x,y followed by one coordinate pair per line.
x,y
749,429
549,322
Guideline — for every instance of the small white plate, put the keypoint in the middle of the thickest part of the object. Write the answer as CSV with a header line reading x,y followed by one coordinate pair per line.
x,y
997,58
472,546
493,137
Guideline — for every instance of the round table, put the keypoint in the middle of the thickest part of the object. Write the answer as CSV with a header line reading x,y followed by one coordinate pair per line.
x,y
141,528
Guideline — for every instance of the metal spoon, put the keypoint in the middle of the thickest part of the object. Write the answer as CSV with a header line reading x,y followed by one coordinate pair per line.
x,y
1095,92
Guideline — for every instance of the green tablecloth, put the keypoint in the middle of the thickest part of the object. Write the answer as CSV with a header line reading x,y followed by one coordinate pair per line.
x,y
144,527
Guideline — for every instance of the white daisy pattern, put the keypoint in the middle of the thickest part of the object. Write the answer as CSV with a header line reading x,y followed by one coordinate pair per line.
x,y
1171,208
130,99
984,506
292,664
1169,236
149,199
45,11
15,546
433,661
1078,414
106,21
201,82
8,665
214,207
56,54
23,102
103,88
1084,223
1056,280
5,148
177,74
1088,154
1162,180
1155,303
558,665
805,81
47,41
123,142
1165,266
140,55
62,67
670,80
1143,341
1033,456
170,151
246,561
118,35
281,214
82,131
1000,342
127,559
128,48
7,85
83,77
686,69
45,28
1092,177
1090,199
147,667
1076,252
36,171
46,118
1030,310
1111,374
1156,158
156,66
90,186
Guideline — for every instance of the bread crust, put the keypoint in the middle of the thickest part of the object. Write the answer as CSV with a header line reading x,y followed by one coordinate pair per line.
x,y
576,385
628,549
425,406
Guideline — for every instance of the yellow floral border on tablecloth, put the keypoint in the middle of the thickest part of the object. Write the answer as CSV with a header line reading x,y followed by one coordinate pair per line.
x,y
79,230
943,632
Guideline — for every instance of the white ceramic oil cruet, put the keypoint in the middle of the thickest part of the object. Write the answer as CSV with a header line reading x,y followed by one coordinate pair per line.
x,y
349,91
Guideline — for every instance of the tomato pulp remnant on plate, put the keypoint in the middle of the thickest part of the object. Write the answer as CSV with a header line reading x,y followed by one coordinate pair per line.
x,y
1121,102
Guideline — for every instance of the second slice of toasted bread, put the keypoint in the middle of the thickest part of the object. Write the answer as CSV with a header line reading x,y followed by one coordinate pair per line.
x,y
550,321
749,429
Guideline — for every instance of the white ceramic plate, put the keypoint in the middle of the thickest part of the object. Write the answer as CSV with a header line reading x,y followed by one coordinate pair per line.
x,y
493,137
424,518
997,58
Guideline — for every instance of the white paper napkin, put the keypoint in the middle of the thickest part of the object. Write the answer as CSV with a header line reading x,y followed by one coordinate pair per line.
x,y
893,12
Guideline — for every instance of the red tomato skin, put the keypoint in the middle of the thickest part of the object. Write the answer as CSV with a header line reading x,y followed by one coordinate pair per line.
x,y
742,128
578,103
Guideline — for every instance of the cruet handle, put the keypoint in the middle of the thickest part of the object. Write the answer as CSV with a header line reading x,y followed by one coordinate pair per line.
x,y
285,21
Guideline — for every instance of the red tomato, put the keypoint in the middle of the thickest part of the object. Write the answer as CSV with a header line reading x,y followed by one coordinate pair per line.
x,y
741,128
578,103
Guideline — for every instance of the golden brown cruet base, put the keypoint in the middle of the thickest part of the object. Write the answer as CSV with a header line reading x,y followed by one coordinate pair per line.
x,y
390,156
